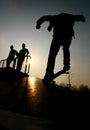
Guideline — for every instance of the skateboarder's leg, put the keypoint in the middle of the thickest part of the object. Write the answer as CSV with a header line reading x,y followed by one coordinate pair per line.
x,y
66,59
55,46
66,54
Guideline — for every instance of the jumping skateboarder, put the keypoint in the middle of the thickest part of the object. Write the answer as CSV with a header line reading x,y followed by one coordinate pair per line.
x,y
62,25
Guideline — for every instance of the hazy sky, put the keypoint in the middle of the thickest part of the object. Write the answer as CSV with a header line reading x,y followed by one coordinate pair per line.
x,y
17,25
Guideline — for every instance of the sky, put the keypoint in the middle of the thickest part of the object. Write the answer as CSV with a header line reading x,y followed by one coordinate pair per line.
x,y
18,25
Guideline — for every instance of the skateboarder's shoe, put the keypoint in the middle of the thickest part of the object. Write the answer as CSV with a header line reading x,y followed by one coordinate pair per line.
x,y
66,68
47,78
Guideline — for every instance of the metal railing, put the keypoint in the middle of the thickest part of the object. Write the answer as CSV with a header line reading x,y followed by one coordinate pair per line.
x,y
25,66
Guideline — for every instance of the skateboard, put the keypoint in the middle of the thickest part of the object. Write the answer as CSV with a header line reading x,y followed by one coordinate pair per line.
x,y
59,73
50,79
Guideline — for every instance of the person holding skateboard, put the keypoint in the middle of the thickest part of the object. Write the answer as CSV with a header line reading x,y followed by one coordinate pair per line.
x,y
62,25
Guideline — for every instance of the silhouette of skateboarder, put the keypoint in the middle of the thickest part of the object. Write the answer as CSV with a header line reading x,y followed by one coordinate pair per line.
x,y
62,25
12,54
21,56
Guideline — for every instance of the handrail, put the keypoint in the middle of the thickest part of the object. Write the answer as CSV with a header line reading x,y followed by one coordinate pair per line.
x,y
2,63
25,66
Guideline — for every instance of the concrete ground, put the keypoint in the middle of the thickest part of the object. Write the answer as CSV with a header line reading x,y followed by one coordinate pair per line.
x,y
28,104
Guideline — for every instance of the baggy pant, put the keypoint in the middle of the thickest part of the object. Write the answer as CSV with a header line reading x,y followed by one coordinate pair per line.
x,y
54,48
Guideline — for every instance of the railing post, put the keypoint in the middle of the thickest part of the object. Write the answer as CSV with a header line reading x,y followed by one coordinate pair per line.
x,y
3,64
28,67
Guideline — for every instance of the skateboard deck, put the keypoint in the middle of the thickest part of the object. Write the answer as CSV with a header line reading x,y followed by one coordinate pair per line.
x,y
58,74
50,79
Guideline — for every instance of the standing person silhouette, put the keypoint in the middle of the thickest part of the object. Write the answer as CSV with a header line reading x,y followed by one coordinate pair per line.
x,y
63,32
21,56
11,56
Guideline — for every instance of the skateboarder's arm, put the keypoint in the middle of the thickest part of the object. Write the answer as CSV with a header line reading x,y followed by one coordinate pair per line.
x,y
43,19
78,18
